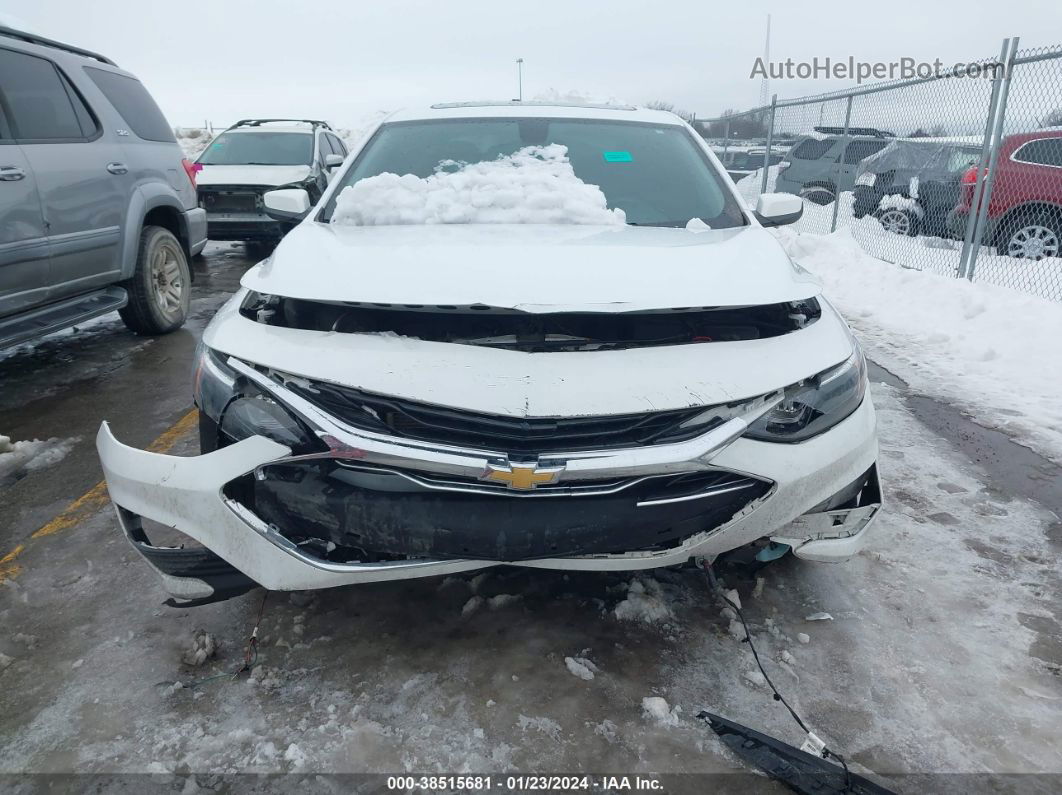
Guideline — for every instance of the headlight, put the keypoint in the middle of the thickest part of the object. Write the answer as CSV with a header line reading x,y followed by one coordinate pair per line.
x,y
240,409
816,404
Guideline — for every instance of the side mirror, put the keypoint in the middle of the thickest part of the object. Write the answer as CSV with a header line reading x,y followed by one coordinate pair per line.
x,y
777,209
286,204
333,161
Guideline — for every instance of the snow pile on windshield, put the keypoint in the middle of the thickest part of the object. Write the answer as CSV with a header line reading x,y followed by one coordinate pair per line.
x,y
535,185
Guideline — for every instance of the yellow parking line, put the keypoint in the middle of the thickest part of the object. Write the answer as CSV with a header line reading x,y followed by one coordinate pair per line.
x,y
8,568
93,499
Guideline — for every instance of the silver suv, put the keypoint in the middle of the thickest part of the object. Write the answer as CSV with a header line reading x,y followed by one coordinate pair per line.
x,y
97,206
823,164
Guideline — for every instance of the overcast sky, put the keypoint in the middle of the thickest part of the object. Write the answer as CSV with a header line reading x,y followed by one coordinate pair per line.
x,y
227,59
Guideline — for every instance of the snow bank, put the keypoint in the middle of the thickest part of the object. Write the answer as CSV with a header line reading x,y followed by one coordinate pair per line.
x,y
581,667
895,200
535,185
645,602
20,458
192,140
988,349
656,708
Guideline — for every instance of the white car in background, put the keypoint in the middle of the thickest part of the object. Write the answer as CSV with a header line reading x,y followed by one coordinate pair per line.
x,y
254,156
513,334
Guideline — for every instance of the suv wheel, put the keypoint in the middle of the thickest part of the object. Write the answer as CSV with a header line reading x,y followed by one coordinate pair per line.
x,y
1033,236
817,194
899,222
160,289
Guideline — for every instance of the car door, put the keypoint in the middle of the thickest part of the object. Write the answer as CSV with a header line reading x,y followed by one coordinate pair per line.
x,y
848,162
82,179
23,244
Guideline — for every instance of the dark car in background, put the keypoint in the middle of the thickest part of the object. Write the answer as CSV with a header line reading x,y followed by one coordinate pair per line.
x,y
97,204
913,184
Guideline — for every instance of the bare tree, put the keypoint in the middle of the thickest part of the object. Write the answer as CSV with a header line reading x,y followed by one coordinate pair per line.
x,y
1052,119
659,104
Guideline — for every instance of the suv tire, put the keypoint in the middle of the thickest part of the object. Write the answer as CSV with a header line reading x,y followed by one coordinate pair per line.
x,y
1032,235
160,289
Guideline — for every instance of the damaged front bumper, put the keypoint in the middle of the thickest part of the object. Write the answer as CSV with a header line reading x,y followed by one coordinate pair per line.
x,y
241,548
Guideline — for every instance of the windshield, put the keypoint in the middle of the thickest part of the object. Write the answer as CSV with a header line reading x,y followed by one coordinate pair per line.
x,y
259,149
655,173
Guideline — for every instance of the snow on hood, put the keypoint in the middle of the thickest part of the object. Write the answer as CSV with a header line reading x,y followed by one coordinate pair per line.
x,y
534,268
534,185
251,175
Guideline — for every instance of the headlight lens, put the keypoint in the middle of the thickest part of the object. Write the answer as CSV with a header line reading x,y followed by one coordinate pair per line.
x,y
241,410
260,416
816,404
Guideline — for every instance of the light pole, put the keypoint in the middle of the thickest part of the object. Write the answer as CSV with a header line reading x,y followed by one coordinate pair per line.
x,y
520,79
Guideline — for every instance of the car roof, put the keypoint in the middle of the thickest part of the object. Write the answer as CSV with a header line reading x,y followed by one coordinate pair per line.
x,y
546,110
284,128
1019,138
40,41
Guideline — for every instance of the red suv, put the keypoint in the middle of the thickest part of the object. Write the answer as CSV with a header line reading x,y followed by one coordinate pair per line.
x,y
1025,213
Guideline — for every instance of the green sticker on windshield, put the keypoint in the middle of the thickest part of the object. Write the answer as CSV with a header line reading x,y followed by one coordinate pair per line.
x,y
617,157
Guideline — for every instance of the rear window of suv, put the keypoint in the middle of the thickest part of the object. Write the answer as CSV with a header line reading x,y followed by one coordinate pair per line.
x,y
812,148
1041,152
133,103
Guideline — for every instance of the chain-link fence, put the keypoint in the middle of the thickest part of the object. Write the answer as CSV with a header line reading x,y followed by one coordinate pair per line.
x,y
959,173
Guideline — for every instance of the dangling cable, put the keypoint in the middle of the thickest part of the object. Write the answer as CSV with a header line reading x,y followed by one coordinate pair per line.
x,y
713,585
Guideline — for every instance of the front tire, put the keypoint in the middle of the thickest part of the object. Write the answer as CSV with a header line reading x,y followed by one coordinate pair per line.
x,y
898,222
160,290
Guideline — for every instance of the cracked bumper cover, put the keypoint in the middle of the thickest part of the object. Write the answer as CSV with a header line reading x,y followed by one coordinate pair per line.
x,y
186,493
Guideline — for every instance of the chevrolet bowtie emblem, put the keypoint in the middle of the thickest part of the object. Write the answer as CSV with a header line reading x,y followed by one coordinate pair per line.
x,y
522,477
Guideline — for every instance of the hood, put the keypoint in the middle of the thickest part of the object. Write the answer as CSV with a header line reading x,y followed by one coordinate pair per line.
x,y
518,384
251,175
533,268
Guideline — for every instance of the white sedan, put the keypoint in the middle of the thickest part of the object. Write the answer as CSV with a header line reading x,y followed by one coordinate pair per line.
x,y
513,334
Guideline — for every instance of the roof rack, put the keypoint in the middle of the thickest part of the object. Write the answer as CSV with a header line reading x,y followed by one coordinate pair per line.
x,y
33,38
870,131
515,103
260,122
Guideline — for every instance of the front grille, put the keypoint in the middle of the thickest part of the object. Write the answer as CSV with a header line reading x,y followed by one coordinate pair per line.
x,y
411,420
229,199
338,514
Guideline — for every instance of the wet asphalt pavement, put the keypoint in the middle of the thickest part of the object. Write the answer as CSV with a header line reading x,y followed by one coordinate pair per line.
x,y
954,607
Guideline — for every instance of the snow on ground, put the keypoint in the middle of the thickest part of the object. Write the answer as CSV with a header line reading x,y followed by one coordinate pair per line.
x,y
1041,278
645,602
17,459
535,185
192,140
69,343
954,602
951,603
990,350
